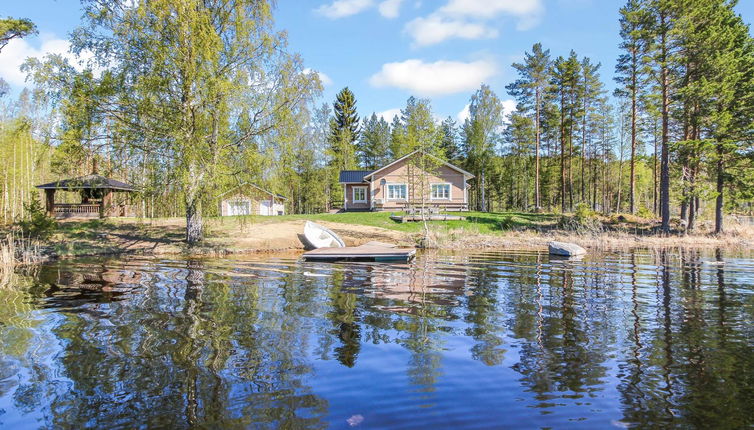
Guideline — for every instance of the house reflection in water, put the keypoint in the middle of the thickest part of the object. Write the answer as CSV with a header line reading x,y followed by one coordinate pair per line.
x,y
402,287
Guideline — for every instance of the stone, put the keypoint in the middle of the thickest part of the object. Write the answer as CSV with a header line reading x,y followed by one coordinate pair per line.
x,y
566,249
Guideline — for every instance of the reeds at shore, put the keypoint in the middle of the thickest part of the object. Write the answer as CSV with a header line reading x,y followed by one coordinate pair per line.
x,y
15,252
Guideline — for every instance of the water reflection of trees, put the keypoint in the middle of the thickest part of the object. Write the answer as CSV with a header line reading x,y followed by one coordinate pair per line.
x,y
692,362
191,349
192,343
561,317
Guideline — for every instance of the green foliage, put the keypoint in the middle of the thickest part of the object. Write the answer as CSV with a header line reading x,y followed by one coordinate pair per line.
x,y
645,212
583,212
374,145
36,224
344,131
11,28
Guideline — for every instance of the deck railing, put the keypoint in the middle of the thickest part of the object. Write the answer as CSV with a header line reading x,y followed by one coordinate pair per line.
x,y
64,210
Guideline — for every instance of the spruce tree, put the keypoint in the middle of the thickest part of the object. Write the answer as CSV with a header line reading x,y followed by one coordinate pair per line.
x,y
374,144
344,131
449,148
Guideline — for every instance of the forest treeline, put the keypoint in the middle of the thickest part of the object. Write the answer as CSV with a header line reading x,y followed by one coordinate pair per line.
x,y
185,99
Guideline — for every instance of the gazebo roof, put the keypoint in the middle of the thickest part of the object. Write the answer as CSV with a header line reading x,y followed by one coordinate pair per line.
x,y
88,182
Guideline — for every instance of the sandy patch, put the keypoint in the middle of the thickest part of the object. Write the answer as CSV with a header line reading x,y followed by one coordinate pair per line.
x,y
287,235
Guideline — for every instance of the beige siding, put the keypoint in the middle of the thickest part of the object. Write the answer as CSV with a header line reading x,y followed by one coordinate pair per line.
x,y
350,203
401,173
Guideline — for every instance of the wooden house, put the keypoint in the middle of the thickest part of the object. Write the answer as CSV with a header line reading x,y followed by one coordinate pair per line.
x,y
402,184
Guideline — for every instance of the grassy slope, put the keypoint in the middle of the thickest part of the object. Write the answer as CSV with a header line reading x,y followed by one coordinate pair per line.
x,y
477,222
165,235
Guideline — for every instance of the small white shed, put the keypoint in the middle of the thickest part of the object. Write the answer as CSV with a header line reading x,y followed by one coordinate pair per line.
x,y
251,199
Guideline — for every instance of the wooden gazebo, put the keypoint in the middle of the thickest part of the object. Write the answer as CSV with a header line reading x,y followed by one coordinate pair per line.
x,y
96,197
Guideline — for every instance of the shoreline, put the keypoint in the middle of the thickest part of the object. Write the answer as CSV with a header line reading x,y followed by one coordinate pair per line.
x,y
165,237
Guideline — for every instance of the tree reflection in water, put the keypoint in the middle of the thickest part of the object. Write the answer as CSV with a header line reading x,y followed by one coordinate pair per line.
x,y
642,338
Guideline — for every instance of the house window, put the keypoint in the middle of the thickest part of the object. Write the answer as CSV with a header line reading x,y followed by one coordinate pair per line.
x,y
359,194
440,192
396,191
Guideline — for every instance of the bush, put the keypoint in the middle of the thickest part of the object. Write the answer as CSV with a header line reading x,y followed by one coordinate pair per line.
x,y
506,222
37,224
645,213
584,220
584,213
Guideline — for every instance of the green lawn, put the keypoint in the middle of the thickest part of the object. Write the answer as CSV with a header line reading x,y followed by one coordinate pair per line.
x,y
477,222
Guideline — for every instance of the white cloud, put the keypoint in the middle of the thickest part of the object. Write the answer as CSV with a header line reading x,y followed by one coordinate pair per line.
x,y
434,79
16,53
326,81
343,8
435,29
509,105
18,50
488,9
464,114
468,19
390,8
389,114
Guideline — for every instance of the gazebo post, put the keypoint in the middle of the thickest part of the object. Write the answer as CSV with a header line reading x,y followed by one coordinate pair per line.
x,y
106,205
50,202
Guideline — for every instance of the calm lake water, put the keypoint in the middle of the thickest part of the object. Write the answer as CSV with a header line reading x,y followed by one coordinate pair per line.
x,y
640,338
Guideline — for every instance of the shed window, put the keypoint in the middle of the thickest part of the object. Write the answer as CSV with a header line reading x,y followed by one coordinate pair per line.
x,y
239,207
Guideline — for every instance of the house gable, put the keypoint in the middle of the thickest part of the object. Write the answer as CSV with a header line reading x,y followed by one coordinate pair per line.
x,y
403,159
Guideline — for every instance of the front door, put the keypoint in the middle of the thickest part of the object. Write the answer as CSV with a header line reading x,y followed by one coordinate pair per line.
x,y
265,207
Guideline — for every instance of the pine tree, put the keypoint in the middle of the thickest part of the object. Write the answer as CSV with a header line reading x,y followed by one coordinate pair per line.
x,y
592,89
11,28
659,39
530,90
629,74
566,89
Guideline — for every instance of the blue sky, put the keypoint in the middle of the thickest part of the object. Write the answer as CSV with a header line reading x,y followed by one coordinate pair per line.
x,y
388,50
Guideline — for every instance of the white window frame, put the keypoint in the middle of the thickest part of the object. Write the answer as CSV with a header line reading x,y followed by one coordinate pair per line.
x,y
236,204
396,184
353,194
432,191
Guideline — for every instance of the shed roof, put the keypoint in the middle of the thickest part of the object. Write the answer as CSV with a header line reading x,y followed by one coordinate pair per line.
x,y
250,184
88,182
353,176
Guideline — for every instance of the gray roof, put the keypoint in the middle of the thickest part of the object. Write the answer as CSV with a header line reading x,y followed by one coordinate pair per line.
x,y
353,176
251,184
88,182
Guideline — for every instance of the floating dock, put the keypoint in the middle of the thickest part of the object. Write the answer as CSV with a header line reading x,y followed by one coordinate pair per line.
x,y
367,252
433,217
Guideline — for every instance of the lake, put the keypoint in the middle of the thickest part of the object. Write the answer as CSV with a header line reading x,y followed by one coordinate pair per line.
x,y
642,338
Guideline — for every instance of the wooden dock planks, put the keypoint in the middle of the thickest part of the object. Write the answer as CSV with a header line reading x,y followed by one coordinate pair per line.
x,y
418,218
366,252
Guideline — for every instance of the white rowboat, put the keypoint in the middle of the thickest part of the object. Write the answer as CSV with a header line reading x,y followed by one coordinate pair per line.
x,y
318,236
